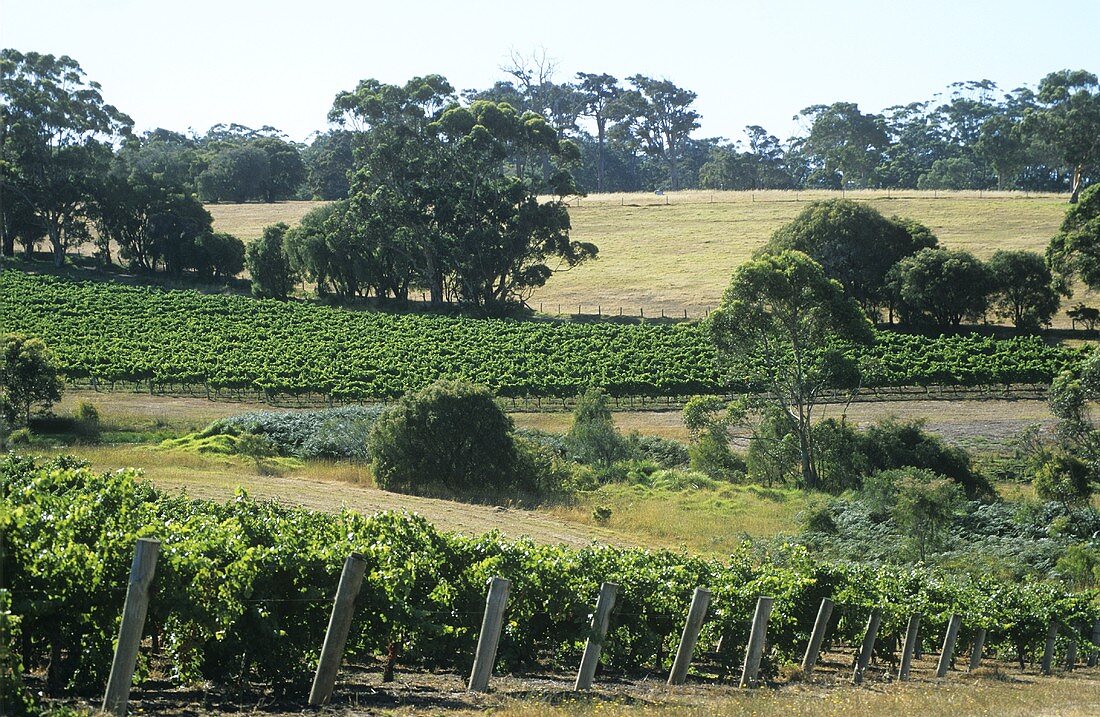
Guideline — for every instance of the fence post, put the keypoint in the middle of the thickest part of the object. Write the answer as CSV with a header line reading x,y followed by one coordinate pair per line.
x,y
976,649
868,646
696,614
339,623
117,696
758,635
912,636
949,639
1094,650
821,624
1071,651
592,647
1048,649
489,637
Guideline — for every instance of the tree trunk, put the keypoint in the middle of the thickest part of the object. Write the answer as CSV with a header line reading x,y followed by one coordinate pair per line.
x,y
600,125
58,246
1076,186
809,475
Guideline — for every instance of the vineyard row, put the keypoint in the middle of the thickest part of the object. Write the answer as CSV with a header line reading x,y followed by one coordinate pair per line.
x,y
217,345
243,592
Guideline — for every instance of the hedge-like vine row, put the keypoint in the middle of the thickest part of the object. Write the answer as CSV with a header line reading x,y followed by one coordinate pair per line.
x,y
243,589
114,332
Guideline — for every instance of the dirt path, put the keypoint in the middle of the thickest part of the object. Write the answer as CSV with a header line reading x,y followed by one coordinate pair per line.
x,y
307,492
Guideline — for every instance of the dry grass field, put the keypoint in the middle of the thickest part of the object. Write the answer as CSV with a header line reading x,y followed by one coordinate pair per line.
x,y
676,252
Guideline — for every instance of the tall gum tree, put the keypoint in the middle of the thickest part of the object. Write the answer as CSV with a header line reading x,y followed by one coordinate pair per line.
x,y
783,325
56,146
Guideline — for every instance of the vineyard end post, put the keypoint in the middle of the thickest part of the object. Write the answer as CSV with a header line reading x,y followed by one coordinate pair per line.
x,y
867,648
821,624
949,639
694,623
336,636
758,635
601,618
117,697
1094,649
489,638
912,635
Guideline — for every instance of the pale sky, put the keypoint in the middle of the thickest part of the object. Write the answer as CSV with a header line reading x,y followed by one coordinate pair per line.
x,y
183,65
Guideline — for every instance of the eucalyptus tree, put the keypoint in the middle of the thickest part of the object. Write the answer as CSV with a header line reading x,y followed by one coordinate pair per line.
x,y
1068,118
57,132
784,324
658,115
600,96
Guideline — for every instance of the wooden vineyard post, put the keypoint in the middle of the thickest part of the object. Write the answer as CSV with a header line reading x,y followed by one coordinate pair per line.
x,y
1094,648
912,636
949,638
758,635
489,638
821,624
339,623
1071,651
868,647
592,647
694,623
976,649
1048,649
117,697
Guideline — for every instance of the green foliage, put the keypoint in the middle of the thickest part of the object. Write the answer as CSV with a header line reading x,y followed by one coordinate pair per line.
x,y
227,343
256,447
219,255
451,435
773,456
664,452
940,288
273,277
28,377
795,322
1064,478
840,455
236,575
593,437
441,196
55,147
854,244
1073,252
924,507
711,455
892,444
1024,289
1079,567
952,173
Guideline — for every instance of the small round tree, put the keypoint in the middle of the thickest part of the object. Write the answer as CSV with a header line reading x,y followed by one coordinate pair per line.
x,y
28,376
1065,479
273,276
593,438
451,435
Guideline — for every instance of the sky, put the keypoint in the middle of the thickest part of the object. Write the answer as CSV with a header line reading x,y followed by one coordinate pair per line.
x,y
192,65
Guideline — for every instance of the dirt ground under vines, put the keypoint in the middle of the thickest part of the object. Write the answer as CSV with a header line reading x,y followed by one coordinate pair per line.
x,y
996,688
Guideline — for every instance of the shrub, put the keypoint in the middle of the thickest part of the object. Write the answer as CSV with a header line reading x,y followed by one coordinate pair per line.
x,y
892,444
662,451
1080,566
712,456
87,420
335,433
593,438
838,449
450,434
28,376
268,263
1065,479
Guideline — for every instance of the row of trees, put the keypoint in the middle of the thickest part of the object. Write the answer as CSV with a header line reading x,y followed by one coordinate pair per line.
x,y
444,196
71,172
894,269
812,292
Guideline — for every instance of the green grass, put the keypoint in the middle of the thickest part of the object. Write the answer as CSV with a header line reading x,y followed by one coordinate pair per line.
x,y
680,255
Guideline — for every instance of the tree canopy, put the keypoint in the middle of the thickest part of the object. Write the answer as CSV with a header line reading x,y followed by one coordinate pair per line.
x,y
784,323
854,244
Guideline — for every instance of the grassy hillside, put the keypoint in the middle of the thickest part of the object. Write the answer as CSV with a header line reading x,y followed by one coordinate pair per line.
x,y
680,254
